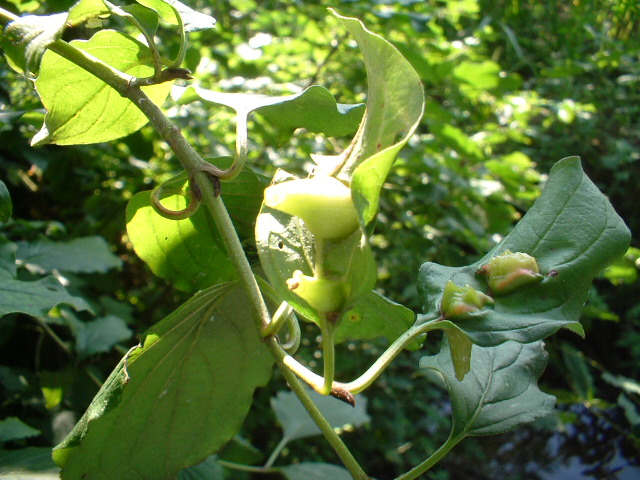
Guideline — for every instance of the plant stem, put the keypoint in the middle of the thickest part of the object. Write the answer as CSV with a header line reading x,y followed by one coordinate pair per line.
x,y
327,329
192,162
422,468
368,377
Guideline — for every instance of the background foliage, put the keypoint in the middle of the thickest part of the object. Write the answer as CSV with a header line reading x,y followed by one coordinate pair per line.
x,y
511,86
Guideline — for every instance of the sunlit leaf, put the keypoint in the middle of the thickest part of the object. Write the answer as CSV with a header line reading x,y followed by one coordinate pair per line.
x,y
187,253
189,388
81,108
30,36
314,109
499,393
85,10
573,233
170,9
395,104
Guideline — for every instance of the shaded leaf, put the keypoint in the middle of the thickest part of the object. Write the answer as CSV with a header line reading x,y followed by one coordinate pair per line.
x,y
83,109
374,315
13,428
187,253
315,471
6,207
190,387
35,298
499,393
28,463
395,104
210,469
101,335
80,255
30,36
572,231
296,422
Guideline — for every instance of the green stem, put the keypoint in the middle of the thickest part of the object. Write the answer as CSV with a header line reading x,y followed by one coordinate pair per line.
x,y
327,329
276,453
192,163
368,377
246,468
425,466
277,320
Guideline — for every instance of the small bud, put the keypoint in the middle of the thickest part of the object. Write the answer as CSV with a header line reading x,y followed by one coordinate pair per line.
x,y
323,294
459,303
323,203
510,271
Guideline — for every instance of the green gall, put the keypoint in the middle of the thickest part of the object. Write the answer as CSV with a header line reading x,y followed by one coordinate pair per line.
x,y
461,302
510,271
323,203
325,295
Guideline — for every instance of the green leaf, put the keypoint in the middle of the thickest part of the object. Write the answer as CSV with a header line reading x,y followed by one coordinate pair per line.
x,y
296,422
187,253
499,393
573,233
315,471
35,298
374,315
13,428
80,255
314,109
6,207
395,106
210,469
81,108
190,387
101,334
30,36
8,267
29,464
86,10
176,13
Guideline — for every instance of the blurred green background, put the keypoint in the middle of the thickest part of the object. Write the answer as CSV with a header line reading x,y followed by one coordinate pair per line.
x,y
511,86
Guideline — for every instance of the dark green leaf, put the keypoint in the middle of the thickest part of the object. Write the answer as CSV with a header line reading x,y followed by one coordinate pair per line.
x,y
499,393
315,471
29,464
13,428
190,387
572,231
6,207
8,267
296,422
30,36
210,469
35,298
101,335
80,255
395,105
83,109
187,253
373,315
